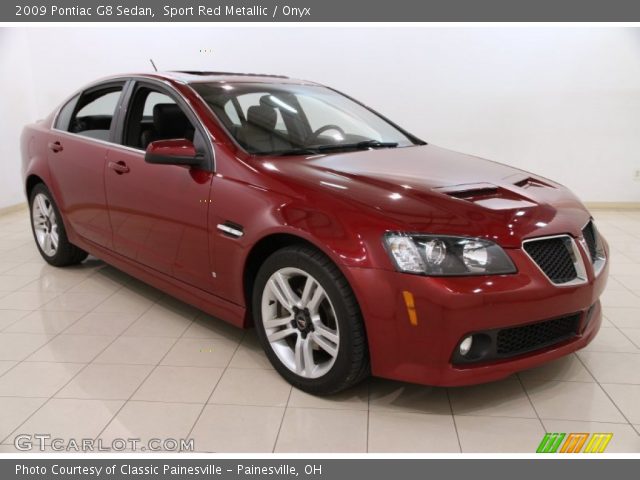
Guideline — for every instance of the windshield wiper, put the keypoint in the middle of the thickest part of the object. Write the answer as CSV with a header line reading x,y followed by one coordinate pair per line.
x,y
364,145
295,151
315,150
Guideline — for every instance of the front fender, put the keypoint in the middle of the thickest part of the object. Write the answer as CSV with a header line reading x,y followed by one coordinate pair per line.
x,y
348,237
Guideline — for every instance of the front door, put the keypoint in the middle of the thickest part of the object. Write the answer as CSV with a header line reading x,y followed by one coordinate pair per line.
x,y
159,212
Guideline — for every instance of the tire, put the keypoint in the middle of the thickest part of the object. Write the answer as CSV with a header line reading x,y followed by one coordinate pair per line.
x,y
312,332
49,232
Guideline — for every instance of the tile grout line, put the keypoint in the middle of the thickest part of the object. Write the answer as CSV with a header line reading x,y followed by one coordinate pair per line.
x,y
242,405
475,415
453,417
284,413
368,412
605,351
27,313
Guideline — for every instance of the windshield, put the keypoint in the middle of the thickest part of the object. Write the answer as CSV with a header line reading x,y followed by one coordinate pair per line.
x,y
290,119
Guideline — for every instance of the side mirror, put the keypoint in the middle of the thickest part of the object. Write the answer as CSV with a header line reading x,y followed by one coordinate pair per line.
x,y
173,152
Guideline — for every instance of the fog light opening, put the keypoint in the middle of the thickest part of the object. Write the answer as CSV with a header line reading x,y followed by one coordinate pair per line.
x,y
465,345
473,348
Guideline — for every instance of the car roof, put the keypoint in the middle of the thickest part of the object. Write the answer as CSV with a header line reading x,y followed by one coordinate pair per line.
x,y
198,76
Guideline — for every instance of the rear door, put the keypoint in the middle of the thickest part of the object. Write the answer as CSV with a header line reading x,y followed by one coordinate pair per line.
x,y
78,145
159,212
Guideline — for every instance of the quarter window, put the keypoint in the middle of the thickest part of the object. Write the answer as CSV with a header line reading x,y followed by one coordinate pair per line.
x,y
65,113
94,112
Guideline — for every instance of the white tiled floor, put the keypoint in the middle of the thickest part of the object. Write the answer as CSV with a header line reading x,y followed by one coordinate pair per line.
x,y
91,352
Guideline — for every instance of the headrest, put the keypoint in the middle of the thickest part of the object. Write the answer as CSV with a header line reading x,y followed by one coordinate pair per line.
x,y
169,121
266,100
262,116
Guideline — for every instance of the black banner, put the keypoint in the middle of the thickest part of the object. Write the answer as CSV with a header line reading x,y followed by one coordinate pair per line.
x,y
319,11
316,469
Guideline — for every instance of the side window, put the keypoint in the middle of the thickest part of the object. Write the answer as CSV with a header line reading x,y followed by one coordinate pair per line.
x,y
152,100
65,113
94,112
152,116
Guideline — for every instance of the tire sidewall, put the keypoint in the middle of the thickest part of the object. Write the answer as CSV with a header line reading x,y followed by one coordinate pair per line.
x,y
341,366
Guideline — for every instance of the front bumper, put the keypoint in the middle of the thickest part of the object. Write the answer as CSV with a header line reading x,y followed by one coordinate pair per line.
x,y
449,308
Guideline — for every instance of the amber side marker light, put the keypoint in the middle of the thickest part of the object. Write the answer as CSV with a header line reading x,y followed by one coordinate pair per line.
x,y
411,307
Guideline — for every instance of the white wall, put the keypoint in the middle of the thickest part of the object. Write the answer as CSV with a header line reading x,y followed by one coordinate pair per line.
x,y
564,103
17,107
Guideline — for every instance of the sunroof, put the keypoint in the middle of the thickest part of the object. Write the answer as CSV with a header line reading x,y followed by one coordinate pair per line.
x,y
203,73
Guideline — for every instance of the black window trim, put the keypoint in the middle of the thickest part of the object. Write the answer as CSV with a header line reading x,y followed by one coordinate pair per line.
x,y
162,87
92,89
128,82
79,92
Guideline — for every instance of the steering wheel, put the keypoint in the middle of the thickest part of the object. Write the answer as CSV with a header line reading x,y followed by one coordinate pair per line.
x,y
314,136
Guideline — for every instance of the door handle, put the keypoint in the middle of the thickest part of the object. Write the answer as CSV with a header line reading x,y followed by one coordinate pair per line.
x,y
55,147
119,167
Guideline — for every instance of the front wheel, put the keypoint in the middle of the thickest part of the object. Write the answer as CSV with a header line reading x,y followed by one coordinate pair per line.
x,y
309,322
48,230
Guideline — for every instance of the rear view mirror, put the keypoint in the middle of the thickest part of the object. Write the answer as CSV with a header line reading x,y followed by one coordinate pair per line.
x,y
173,152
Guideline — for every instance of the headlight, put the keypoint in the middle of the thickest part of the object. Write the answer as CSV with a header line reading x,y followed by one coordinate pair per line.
x,y
444,255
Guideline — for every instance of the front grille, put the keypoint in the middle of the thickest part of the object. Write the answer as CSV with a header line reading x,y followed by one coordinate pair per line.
x,y
504,343
554,257
589,234
518,340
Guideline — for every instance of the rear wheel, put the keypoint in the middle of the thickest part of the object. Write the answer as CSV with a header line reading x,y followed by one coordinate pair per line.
x,y
308,321
48,230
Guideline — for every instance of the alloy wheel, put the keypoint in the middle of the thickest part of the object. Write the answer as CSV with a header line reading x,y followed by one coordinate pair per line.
x,y
45,224
300,322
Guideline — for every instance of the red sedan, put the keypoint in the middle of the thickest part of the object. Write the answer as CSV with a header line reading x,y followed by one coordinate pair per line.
x,y
352,246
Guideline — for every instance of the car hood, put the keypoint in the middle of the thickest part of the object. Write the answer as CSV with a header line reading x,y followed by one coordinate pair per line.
x,y
434,190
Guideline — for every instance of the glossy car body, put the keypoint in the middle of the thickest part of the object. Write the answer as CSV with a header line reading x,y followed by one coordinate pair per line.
x,y
113,203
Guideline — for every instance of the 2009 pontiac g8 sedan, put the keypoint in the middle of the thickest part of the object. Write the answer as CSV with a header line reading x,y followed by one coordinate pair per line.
x,y
352,246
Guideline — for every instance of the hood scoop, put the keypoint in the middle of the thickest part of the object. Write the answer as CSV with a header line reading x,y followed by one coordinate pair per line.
x,y
470,192
531,182
487,195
